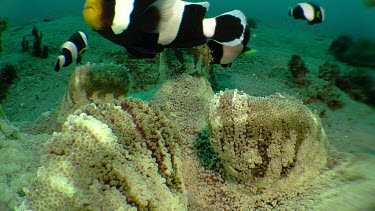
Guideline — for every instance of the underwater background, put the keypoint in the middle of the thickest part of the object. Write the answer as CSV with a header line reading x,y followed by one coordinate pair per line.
x,y
351,16
299,74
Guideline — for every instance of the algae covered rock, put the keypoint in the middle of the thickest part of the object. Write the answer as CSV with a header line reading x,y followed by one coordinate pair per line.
x,y
266,142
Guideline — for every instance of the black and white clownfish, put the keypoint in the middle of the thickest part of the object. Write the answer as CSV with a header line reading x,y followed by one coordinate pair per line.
x,y
72,50
146,27
308,11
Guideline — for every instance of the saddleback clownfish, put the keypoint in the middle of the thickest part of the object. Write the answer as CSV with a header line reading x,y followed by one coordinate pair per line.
x,y
146,27
72,50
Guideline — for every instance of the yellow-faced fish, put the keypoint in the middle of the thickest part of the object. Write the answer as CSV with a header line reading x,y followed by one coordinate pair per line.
x,y
146,27
308,11
72,50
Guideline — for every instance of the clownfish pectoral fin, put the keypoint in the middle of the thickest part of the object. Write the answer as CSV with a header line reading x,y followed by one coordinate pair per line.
x,y
248,51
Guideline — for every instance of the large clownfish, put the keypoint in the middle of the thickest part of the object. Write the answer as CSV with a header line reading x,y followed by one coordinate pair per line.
x,y
146,27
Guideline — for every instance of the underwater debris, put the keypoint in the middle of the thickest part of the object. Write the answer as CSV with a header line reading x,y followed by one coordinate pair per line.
x,y
298,69
329,72
369,3
37,49
314,88
95,83
3,27
360,52
326,93
8,73
359,85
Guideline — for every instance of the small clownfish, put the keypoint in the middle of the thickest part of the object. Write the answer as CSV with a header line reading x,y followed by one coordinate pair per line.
x,y
308,11
145,28
72,50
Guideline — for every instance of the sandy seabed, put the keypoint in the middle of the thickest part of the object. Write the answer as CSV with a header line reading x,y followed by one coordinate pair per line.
x,y
349,183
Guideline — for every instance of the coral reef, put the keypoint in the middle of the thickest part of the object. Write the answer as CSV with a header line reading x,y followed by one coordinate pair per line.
x,y
89,83
188,98
360,52
143,71
298,69
112,156
38,50
3,27
95,83
8,73
194,61
266,142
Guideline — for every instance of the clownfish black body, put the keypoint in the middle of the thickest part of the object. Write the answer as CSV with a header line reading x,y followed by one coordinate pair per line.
x,y
225,55
146,27
308,11
72,50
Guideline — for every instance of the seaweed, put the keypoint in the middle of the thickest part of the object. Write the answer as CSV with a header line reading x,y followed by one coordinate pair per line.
x,y
3,27
359,85
206,153
8,74
252,23
38,50
298,69
359,52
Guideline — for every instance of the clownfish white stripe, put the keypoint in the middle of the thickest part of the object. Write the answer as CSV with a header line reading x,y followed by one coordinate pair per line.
x,y
209,26
84,37
61,61
123,10
171,16
72,48
308,11
323,13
